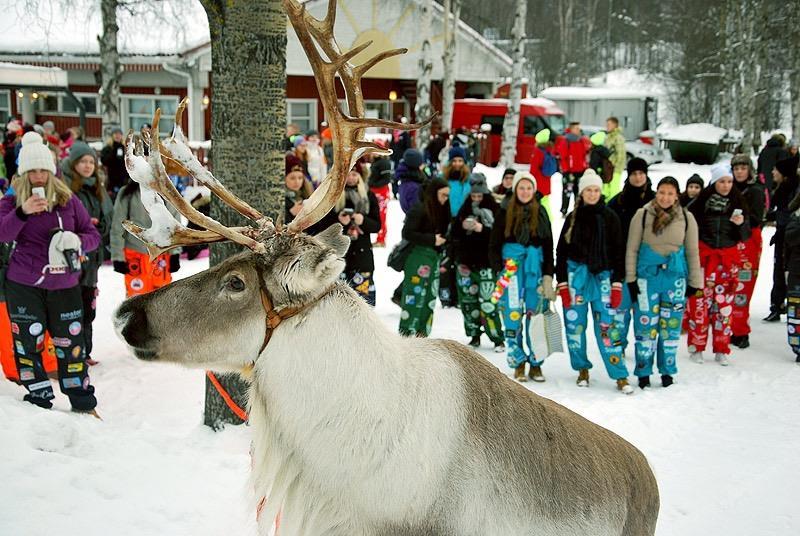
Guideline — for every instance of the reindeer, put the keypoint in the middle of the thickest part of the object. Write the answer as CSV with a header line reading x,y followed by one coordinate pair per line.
x,y
357,430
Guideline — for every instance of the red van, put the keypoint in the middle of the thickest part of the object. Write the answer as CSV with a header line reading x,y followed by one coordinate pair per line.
x,y
535,114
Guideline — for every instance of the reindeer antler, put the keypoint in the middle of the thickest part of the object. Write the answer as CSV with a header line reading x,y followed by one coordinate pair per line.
x,y
166,232
347,131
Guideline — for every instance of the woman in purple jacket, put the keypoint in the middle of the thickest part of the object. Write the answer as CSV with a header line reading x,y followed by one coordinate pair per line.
x,y
51,232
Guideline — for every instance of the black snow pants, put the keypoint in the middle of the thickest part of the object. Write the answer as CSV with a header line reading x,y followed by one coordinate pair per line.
x,y
32,312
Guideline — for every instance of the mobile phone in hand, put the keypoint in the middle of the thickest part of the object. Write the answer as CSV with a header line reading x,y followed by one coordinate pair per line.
x,y
348,211
38,190
737,212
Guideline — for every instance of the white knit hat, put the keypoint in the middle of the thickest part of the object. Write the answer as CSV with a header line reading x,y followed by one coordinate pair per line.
x,y
720,170
520,175
34,154
589,178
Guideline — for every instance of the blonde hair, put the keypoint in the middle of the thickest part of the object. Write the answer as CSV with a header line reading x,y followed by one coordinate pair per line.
x,y
362,193
54,190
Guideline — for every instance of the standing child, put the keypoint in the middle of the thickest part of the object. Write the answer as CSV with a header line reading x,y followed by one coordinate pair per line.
x,y
425,227
662,259
694,185
474,277
721,214
590,267
82,174
380,182
744,180
522,243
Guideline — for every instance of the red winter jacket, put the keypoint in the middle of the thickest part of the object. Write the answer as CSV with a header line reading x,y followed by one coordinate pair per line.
x,y
572,151
542,180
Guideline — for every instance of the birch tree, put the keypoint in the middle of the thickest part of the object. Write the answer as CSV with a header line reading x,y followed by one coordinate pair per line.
x,y
110,67
508,151
248,54
422,108
449,60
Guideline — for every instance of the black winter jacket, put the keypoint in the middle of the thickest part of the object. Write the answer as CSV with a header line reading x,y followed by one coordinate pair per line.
x,y
113,158
627,202
380,173
581,249
792,246
472,248
755,198
419,229
770,154
544,240
717,230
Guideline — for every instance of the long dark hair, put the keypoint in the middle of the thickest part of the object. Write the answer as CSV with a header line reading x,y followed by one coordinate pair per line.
x,y
438,214
99,184
514,216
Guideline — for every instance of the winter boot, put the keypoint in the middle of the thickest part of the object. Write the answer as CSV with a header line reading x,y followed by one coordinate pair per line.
x,y
624,386
666,380
92,362
519,373
740,341
697,357
721,358
499,348
44,404
535,373
644,382
797,359
773,316
475,341
583,378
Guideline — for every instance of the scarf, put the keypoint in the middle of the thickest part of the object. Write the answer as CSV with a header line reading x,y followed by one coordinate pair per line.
x,y
484,215
717,204
663,217
360,204
523,231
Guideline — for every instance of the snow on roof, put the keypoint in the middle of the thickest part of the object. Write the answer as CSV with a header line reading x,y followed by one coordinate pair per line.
x,y
167,27
538,101
695,132
592,93
31,76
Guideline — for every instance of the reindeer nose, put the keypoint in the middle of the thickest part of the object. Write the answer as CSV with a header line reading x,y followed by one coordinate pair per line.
x,y
131,323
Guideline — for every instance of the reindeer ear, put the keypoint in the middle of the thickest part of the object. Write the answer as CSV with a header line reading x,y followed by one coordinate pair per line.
x,y
334,239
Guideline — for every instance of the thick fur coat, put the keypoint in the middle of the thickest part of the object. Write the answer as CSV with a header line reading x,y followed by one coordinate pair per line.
x,y
361,432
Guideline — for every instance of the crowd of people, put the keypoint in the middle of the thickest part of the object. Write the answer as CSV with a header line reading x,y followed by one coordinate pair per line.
x,y
662,259
61,215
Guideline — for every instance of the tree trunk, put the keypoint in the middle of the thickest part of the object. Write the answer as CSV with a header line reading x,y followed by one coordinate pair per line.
x,y
423,108
110,68
508,152
248,52
449,60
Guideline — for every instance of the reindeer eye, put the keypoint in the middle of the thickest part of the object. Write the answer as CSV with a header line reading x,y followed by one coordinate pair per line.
x,y
235,284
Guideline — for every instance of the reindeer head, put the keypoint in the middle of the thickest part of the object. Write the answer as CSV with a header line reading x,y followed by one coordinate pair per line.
x,y
214,319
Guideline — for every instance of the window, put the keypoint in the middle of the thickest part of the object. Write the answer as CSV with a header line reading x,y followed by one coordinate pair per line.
x,y
496,122
558,123
140,110
303,113
61,103
5,106
532,125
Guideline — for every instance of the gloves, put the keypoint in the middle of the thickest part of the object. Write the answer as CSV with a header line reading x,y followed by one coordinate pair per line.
x,y
692,292
174,263
563,291
548,290
616,295
121,267
633,288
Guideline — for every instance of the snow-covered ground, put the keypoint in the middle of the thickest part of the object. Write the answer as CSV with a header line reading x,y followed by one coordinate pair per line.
x,y
724,442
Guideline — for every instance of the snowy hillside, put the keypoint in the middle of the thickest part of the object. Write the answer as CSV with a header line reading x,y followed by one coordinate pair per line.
x,y
723,442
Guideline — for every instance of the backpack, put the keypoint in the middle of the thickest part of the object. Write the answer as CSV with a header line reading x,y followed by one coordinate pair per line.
x,y
549,164
600,161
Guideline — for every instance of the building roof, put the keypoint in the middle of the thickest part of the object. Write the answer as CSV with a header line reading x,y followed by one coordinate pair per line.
x,y
150,36
592,93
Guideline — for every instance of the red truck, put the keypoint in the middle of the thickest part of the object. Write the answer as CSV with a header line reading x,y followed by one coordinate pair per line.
x,y
535,114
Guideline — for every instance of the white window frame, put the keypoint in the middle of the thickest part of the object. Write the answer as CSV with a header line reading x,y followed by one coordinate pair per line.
x,y
7,93
61,98
312,119
126,115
